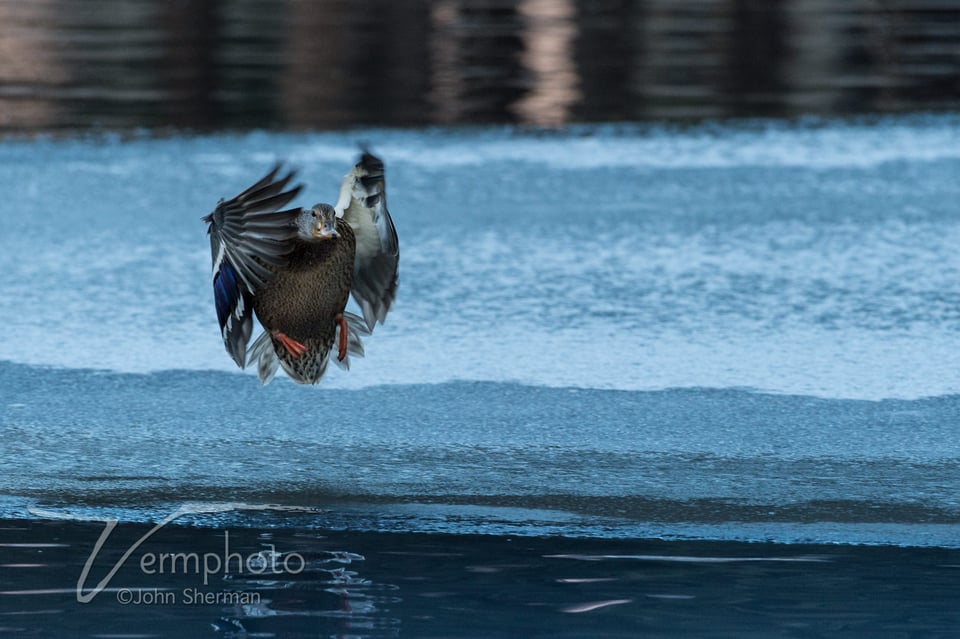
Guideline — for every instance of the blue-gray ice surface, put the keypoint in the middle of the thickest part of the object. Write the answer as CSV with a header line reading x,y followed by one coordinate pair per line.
x,y
739,332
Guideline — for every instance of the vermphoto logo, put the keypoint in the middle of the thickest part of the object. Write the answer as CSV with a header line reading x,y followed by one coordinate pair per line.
x,y
268,561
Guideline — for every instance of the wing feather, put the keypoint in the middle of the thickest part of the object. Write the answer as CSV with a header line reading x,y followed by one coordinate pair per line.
x,y
363,205
248,232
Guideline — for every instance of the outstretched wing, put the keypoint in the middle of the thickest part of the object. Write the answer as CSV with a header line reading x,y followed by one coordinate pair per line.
x,y
247,233
363,205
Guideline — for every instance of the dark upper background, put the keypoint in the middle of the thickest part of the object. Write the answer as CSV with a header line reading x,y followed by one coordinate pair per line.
x,y
299,64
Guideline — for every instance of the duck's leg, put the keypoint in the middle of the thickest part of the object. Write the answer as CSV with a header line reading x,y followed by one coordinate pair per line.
x,y
343,337
293,347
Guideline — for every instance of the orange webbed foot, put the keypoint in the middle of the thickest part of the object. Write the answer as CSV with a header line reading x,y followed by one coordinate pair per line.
x,y
343,338
293,347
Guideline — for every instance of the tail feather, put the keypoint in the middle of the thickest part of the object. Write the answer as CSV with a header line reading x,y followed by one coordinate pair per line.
x,y
267,360
309,369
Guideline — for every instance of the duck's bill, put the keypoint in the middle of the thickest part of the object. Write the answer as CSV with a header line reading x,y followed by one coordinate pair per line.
x,y
327,230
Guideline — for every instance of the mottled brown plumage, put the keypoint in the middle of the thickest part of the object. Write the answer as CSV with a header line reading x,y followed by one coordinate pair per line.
x,y
304,299
295,269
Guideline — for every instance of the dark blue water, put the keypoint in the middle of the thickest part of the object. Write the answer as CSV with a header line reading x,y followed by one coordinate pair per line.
x,y
356,584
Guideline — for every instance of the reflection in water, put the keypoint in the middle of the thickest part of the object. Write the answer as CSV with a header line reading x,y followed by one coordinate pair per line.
x,y
335,63
28,68
549,35
327,592
478,73
409,585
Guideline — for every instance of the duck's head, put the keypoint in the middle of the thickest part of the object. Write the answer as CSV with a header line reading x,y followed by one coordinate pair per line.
x,y
318,223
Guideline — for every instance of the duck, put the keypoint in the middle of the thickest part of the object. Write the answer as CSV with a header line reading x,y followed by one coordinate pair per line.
x,y
296,268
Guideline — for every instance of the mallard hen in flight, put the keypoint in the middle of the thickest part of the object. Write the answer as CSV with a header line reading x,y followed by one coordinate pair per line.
x,y
296,268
